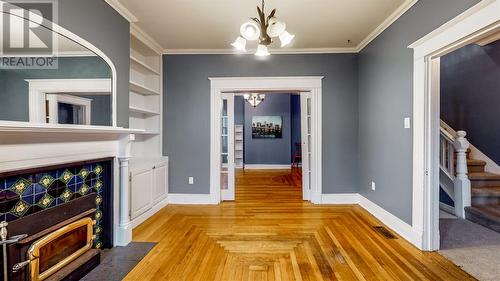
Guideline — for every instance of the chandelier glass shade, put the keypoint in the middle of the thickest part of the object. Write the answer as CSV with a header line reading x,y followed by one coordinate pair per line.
x,y
254,99
263,28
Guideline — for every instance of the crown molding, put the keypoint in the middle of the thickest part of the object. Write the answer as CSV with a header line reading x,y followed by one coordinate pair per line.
x,y
250,52
140,34
386,23
403,8
128,15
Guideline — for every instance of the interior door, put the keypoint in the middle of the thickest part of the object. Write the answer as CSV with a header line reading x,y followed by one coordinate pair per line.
x,y
305,117
227,148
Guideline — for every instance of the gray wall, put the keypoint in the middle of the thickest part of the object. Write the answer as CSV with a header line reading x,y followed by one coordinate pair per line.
x,y
385,98
101,25
269,151
470,95
187,112
14,90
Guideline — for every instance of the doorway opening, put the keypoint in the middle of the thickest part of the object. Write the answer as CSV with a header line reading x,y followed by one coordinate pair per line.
x,y
481,22
267,145
227,154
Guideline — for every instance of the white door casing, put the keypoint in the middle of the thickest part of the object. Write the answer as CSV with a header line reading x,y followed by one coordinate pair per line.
x,y
310,84
478,22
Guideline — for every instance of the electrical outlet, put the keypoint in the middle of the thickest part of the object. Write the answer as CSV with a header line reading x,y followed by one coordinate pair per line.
x,y
373,186
191,180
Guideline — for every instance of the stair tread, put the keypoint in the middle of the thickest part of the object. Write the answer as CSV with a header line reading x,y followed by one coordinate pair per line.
x,y
484,176
490,211
475,162
493,191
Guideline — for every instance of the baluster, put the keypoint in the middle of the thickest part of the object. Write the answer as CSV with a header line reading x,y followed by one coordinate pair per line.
x,y
462,182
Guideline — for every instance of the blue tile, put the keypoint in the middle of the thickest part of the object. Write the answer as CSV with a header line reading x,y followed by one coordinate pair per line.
x,y
2,184
39,188
29,191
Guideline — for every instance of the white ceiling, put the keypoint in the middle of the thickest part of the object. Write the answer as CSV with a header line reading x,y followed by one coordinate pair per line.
x,y
179,25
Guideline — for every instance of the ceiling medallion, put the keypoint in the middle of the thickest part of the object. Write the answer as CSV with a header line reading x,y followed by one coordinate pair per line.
x,y
264,29
254,99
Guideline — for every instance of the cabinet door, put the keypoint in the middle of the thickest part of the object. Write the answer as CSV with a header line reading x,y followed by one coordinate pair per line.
x,y
141,193
160,183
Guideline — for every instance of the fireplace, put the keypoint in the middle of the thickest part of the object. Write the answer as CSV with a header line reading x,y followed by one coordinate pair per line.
x,y
64,214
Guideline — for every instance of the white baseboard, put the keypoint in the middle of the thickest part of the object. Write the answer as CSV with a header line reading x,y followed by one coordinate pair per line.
x,y
191,199
268,166
143,217
341,198
399,226
396,224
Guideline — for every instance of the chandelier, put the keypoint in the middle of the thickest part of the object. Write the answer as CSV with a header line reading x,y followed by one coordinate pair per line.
x,y
263,29
254,99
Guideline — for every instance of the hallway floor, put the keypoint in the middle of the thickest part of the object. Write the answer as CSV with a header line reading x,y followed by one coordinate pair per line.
x,y
269,233
474,247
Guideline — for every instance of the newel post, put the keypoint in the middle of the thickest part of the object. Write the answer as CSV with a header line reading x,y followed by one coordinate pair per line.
x,y
462,182
125,226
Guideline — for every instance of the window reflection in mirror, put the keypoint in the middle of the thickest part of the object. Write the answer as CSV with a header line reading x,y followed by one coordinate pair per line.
x,y
75,89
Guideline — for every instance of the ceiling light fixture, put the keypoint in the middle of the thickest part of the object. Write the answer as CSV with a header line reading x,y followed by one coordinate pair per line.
x,y
264,29
254,99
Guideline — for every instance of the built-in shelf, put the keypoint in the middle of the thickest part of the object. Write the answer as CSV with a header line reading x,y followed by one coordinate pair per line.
x,y
138,110
144,65
141,89
239,145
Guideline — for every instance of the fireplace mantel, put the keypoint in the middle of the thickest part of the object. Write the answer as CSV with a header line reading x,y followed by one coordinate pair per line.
x,y
28,145
38,128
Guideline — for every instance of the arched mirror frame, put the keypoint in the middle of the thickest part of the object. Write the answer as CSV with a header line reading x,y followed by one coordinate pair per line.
x,y
72,36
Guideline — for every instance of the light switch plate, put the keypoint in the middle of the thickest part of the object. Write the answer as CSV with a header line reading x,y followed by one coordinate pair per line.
x,y
191,180
407,123
373,186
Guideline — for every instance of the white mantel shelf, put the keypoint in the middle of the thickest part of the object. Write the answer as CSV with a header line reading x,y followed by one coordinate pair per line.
x,y
24,127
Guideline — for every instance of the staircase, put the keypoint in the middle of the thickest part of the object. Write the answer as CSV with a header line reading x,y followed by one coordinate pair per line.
x,y
485,191
475,192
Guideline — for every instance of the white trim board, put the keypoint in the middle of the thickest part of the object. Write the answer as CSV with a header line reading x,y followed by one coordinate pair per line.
x,y
124,12
311,84
191,199
399,226
470,26
267,166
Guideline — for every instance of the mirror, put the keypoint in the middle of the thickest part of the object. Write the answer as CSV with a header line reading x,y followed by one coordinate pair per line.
x,y
62,83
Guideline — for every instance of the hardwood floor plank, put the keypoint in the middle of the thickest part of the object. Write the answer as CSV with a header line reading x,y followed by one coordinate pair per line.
x,y
269,233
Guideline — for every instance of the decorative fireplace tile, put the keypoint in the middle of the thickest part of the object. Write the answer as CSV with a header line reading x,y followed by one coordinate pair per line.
x,y
66,177
46,181
20,186
45,201
20,208
25,194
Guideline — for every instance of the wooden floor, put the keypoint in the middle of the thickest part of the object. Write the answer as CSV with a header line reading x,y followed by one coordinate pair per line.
x,y
269,233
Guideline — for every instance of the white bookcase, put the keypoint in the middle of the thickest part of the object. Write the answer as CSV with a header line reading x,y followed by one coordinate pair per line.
x,y
148,166
239,141
145,104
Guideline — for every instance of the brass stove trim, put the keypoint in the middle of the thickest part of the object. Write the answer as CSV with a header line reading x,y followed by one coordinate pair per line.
x,y
34,250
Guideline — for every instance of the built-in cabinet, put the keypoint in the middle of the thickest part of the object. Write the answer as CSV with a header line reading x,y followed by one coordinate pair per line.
x,y
148,187
148,168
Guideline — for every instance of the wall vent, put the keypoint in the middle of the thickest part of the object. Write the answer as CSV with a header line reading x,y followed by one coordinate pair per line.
x,y
385,232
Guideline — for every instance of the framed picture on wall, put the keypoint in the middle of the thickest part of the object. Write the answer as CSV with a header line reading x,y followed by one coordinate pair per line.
x,y
267,127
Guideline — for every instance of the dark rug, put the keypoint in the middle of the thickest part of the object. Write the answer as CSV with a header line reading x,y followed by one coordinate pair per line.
x,y
116,263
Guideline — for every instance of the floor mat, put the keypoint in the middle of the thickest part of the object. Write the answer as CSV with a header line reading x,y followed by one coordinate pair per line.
x,y
116,263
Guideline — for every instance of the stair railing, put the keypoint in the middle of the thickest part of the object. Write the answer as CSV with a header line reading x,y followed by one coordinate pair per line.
x,y
453,166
